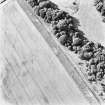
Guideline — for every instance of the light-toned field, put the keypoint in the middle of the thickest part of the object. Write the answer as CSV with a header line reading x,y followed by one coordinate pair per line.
x,y
33,74
90,20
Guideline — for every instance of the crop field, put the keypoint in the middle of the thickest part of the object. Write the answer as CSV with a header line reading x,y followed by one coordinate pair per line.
x,y
32,75
51,57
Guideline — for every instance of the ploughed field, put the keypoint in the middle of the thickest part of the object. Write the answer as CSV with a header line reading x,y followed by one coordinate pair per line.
x,y
66,30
